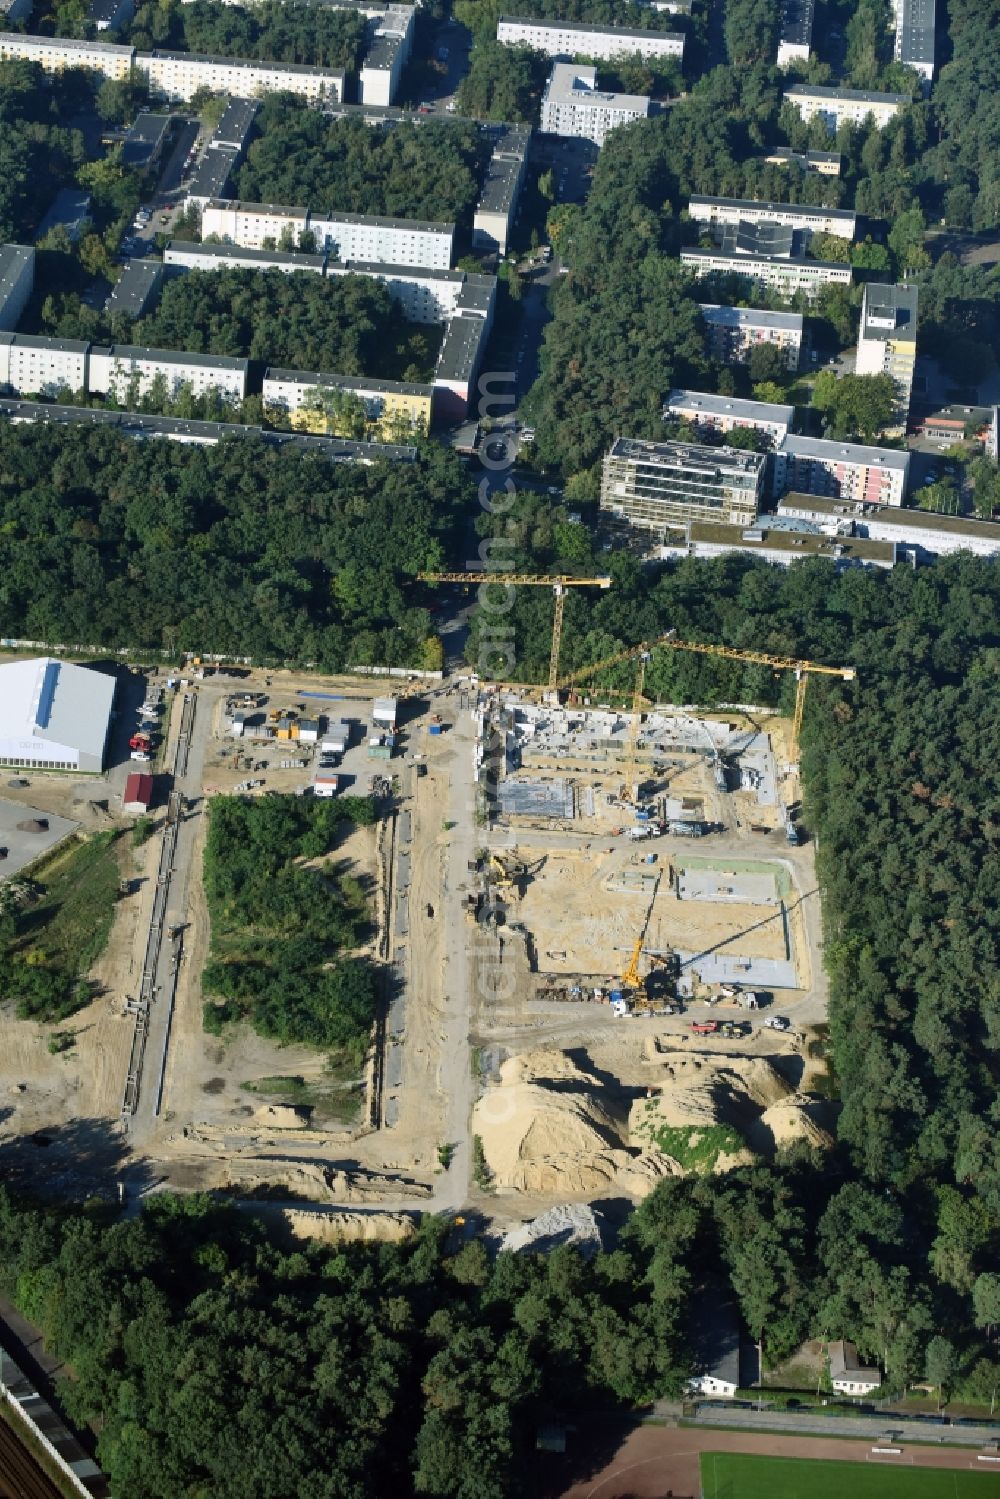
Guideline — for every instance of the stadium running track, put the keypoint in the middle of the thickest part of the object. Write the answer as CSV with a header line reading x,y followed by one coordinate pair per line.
x,y
655,1462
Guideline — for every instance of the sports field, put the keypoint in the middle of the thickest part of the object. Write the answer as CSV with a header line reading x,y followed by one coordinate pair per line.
x,y
737,1475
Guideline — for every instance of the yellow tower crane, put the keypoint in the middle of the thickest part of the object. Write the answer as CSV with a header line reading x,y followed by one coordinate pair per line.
x,y
802,669
557,583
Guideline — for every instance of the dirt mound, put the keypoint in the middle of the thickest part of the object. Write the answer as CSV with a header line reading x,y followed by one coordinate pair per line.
x,y
795,1119
281,1116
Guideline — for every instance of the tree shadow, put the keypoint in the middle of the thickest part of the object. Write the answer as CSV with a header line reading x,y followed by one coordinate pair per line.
x,y
592,1445
74,1162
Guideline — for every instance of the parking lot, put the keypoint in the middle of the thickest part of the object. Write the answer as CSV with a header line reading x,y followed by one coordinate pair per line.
x,y
23,845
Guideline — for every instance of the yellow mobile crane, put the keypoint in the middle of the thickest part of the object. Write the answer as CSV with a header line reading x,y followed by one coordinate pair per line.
x,y
558,584
802,669
631,982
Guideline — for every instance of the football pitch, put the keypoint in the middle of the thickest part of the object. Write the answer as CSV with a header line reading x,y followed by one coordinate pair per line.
x,y
736,1475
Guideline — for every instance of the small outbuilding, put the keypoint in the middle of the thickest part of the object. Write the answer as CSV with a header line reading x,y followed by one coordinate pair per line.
x,y
848,1376
308,730
384,710
138,793
715,1342
336,739
326,785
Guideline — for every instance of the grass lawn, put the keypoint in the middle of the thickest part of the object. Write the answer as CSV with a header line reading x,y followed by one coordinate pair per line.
x,y
737,1475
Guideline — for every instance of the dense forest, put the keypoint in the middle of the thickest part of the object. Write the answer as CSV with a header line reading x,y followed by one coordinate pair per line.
x,y
233,549
348,324
40,151
430,170
503,83
283,912
314,34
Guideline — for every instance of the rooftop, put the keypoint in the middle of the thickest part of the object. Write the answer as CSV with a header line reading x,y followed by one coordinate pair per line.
x,y
715,1335
740,262
403,272
55,345
850,452
383,52
103,10
844,1361
848,95
56,702
134,287
169,356
148,128
503,173
348,382
758,205
785,153
69,208
380,221
569,84
65,43
713,405
686,455
795,543
260,210
251,64
235,123
888,308
459,348
295,258
916,22
750,317
213,172
13,259
749,237
797,22
609,28
892,515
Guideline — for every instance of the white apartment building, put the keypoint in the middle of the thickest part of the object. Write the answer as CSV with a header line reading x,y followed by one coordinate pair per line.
x,y
455,374
920,531
388,51
191,256
385,401
17,281
427,296
494,215
56,53
708,539
714,413
356,236
180,75
569,39
796,32
915,27
887,343
799,216
41,366
782,274
734,331
128,372
574,107
837,106
250,224
840,470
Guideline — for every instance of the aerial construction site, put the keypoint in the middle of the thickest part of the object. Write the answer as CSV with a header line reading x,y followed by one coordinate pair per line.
x,y
595,926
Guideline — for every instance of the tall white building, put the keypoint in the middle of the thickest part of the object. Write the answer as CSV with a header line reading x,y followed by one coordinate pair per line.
x,y
569,39
733,332
55,54
573,105
180,75
799,216
250,224
128,372
887,343
796,32
837,106
494,216
842,470
345,236
921,531
915,27
785,275
189,255
387,54
17,281
41,366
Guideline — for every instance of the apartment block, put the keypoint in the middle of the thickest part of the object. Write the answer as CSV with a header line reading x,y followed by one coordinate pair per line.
x,y
137,288
355,236
796,216
138,425
574,107
659,485
840,470
17,281
887,343
427,296
569,39
783,274
707,539
180,75
494,215
250,224
712,413
389,48
41,366
462,349
388,403
839,106
826,163
55,54
922,532
189,255
128,372
915,27
733,332
796,32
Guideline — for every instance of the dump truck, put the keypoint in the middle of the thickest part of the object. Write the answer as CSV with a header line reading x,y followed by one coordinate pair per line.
x,y
704,1027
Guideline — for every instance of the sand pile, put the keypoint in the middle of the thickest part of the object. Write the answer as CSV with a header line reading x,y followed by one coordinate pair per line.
x,y
795,1119
281,1116
714,1090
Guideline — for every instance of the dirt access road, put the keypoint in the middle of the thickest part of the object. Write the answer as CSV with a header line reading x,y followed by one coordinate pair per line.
x,y
654,1461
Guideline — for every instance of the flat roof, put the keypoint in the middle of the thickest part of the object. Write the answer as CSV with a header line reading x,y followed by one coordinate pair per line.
x,y
738,261
830,451
503,176
348,382
805,209
401,272
848,95
460,346
147,127
56,702
64,43
888,302
213,172
134,287
34,341
915,31
383,52
593,28
235,122
261,210
217,61
294,258
136,423
683,454
169,356
795,543
750,317
569,84
785,153
13,259
757,237
797,22
380,221
892,515
713,405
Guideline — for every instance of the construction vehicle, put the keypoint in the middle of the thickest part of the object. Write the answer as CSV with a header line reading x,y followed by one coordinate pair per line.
x,y
633,990
558,584
139,741
802,669
776,1023
704,1027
